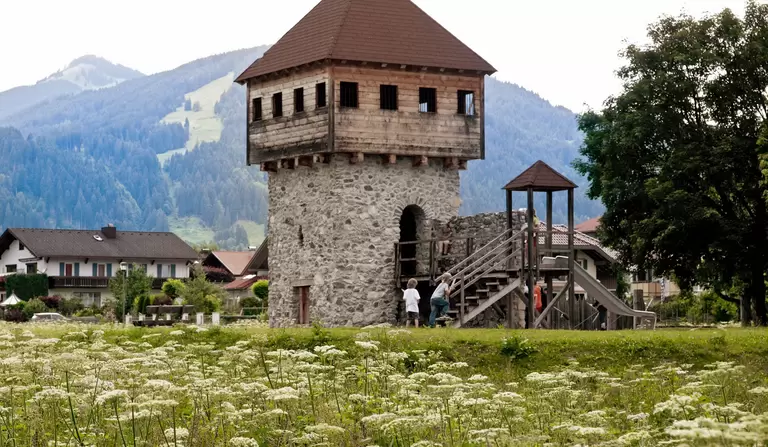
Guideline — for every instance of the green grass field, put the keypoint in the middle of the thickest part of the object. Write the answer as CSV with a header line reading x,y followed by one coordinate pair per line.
x,y
204,125
191,229
255,231
254,386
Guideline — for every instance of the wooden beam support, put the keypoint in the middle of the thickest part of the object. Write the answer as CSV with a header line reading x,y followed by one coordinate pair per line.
x,y
462,165
551,305
420,160
356,158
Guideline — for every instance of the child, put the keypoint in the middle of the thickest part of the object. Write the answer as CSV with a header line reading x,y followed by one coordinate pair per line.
x,y
411,297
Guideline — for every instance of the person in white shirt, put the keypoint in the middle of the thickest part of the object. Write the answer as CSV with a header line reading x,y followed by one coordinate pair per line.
x,y
439,300
411,298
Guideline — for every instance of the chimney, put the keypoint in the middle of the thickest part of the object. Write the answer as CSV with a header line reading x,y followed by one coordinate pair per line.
x,y
109,231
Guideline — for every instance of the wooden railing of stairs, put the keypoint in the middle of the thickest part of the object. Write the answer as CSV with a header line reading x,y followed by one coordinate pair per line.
x,y
486,276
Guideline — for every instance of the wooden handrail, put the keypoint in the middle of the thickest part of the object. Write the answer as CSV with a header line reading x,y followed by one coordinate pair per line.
x,y
500,245
492,242
489,268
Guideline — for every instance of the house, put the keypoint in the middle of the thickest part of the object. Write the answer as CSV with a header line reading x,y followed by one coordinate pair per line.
x,y
239,263
591,255
80,263
653,287
256,270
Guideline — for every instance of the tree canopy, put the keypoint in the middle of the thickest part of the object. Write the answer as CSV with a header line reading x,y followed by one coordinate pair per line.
x,y
676,156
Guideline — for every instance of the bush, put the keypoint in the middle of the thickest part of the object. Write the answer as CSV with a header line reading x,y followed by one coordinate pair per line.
x,y
70,306
27,287
34,306
211,304
52,302
249,301
15,314
173,288
216,274
261,291
140,303
161,300
517,347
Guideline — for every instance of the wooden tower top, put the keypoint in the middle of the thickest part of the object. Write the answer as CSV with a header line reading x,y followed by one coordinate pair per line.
x,y
366,77
395,32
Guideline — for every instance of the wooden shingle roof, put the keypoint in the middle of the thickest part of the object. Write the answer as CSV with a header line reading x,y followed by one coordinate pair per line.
x,y
540,177
393,32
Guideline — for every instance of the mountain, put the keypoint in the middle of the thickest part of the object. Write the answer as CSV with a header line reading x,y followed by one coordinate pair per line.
x,y
167,151
84,73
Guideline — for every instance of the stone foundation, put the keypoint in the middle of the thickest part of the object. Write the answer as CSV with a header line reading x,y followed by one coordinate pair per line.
x,y
333,227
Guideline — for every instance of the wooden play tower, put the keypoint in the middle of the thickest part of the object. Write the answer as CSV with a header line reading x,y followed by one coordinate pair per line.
x,y
496,273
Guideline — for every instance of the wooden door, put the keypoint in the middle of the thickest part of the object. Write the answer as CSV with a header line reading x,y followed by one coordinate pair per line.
x,y
102,270
303,305
68,270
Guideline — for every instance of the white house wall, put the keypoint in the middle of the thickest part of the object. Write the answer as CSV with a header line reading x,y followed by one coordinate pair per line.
x,y
12,256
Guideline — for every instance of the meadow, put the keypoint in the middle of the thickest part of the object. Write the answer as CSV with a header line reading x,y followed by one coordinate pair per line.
x,y
78,385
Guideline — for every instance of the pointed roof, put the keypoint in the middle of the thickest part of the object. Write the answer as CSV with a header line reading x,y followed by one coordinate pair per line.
x,y
380,31
236,262
540,177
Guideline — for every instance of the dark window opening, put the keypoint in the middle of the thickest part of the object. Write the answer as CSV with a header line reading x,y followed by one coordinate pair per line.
x,y
277,105
410,222
21,246
466,103
301,237
10,268
257,109
349,94
427,100
31,268
388,97
298,100
320,101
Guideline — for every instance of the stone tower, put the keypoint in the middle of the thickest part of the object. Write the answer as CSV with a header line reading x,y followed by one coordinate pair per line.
x,y
362,114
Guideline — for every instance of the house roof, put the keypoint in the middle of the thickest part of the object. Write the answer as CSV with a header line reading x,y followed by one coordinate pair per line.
x,y
234,261
580,241
244,283
129,245
589,226
260,260
540,177
380,31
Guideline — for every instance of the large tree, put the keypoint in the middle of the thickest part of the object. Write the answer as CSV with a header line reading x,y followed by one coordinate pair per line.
x,y
676,156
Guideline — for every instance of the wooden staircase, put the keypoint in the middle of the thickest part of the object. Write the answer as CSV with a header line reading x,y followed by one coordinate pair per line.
x,y
486,277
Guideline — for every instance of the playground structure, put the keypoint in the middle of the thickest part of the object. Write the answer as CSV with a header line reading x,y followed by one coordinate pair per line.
x,y
498,273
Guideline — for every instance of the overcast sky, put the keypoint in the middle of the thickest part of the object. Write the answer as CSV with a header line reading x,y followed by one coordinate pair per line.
x,y
564,50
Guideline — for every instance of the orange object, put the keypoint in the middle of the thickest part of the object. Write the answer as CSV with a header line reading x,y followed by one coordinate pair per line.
x,y
537,296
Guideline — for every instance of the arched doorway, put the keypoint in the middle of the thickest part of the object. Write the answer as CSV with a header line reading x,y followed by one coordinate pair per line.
x,y
412,228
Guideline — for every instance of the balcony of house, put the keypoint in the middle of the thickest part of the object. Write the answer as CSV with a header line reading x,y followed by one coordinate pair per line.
x,y
91,282
78,282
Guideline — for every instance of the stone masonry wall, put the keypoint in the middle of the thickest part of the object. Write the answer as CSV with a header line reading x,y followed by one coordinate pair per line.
x,y
348,216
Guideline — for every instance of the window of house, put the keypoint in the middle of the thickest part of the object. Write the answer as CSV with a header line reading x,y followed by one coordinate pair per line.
x,y
32,268
320,100
388,97
102,270
466,100
277,105
298,100
584,263
349,94
427,100
68,269
21,246
256,106
10,268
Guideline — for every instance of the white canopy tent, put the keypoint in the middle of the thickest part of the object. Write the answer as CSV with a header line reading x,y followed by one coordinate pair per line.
x,y
10,301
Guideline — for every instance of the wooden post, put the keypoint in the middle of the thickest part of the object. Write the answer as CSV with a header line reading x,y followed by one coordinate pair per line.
x,y
638,304
431,258
510,262
571,254
461,309
548,239
531,262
